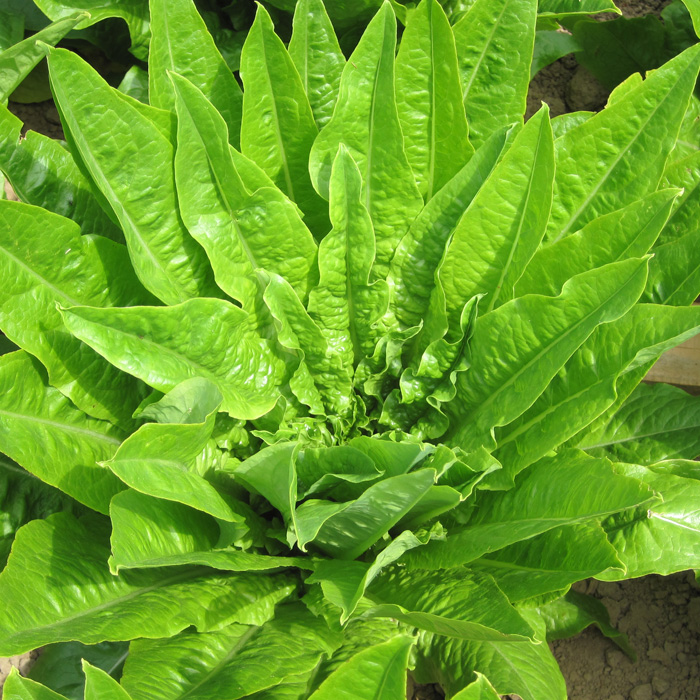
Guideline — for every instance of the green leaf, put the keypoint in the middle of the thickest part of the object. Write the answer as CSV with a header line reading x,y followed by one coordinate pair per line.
x,y
582,7
655,423
207,338
169,263
694,9
101,686
181,43
41,430
103,607
377,672
18,688
43,173
17,62
133,12
494,90
480,689
278,125
596,173
317,56
135,84
535,506
665,537
93,271
11,29
674,271
429,99
233,662
366,121
550,46
685,174
536,346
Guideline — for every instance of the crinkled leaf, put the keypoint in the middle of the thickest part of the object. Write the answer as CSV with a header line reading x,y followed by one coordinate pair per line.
x,y
674,271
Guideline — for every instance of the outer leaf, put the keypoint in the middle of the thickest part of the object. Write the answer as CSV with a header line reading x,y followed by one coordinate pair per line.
x,y
317,56
429,99
166,259
278,125
180,42
655,423
694,9
18,61
665,538
480,689
583,7
674,271
93,271
596,174
101,686
233,663
18,688
208,338
378,672
494,91
367,122
105,607
534,507
684,173
537,347
41,430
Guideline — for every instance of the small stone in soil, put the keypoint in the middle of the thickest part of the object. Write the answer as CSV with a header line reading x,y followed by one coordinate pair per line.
x,y
642,692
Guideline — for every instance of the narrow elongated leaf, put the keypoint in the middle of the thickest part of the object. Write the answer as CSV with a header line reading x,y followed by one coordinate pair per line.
x,y
278,125
106,607
344,304
208,338
665,537
94,271
181,43
494,91
378,672
596,175
18,688
538,346
567,7
534,507
233,662
366,121
166,259
429,99
43,432
19,60
43,173
101,686
317,56
655,423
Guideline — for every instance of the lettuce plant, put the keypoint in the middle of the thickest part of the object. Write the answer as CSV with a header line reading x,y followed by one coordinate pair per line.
x,y
337,375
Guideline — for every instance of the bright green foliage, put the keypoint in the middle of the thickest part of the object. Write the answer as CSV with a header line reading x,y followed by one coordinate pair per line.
x,y
311,384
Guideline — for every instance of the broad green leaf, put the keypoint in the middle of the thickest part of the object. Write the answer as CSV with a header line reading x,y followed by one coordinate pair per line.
x,y
101,686
207,338
60,665
181,43
135,84
42,431
102,607
377,672
133,12
657,422
665,537
18,61
24,497
420,251
694,9
500,231
366,121
317,56
549,562
93,271
636,227
597,173
535,506
43,173
240,232
480,689
278,125
566,122
344,304
538,335
587,385
11,29
346,530
18,688
455,603
550,46
494,90
674,271
429,99
169,263
233,662
685,174
582,7
172,534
